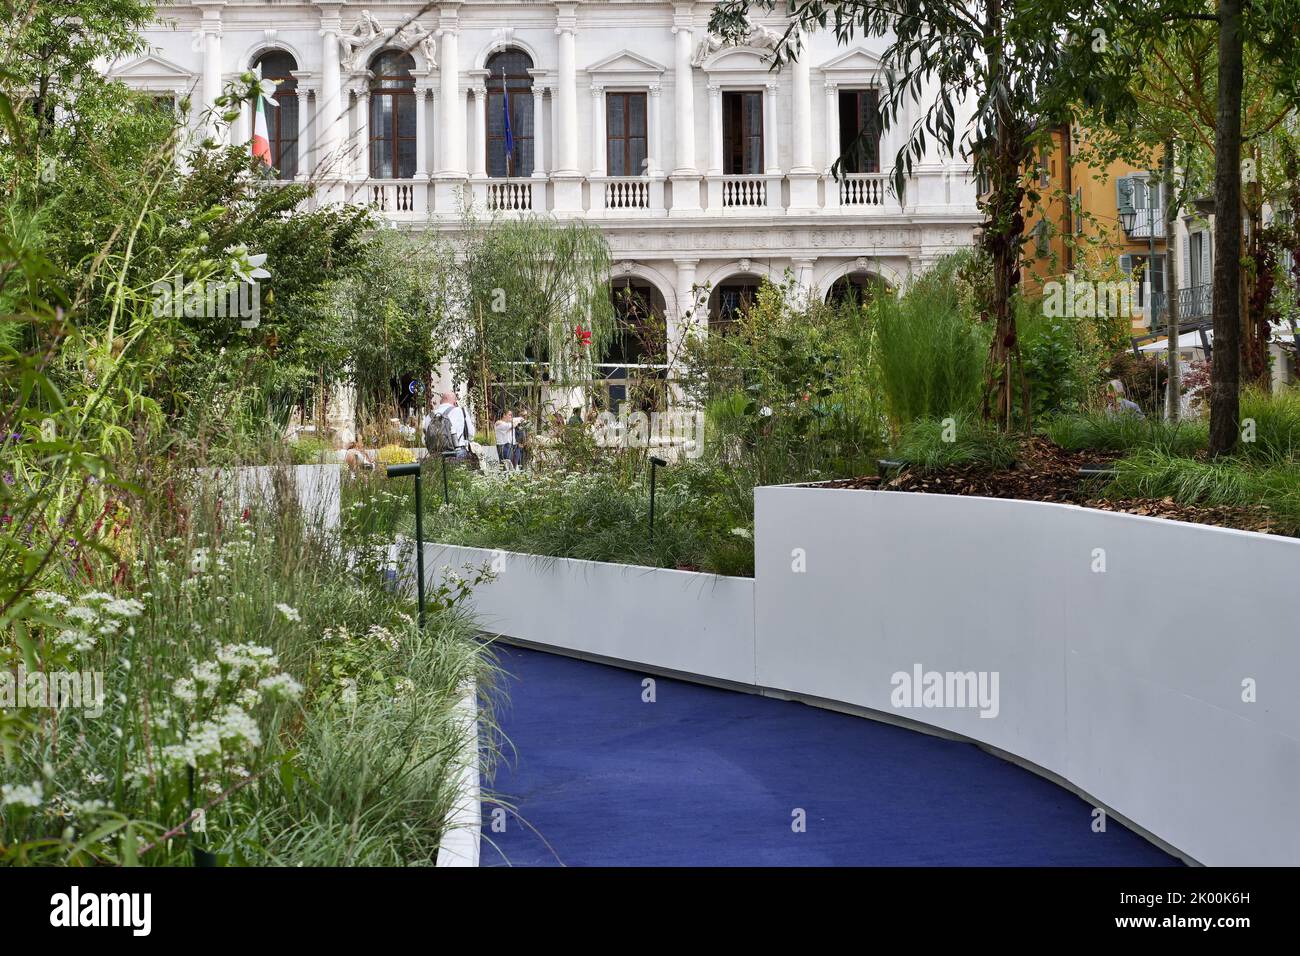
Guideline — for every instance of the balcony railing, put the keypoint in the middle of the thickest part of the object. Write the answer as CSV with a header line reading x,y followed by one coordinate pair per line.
x,y
510,195
627,192
396,196
744,192
864,189
1195,304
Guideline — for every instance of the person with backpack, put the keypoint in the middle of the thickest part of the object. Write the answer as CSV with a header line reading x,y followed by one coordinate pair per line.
x,y
449,429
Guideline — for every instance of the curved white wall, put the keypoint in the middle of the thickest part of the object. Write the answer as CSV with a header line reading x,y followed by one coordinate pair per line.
x,y
1127,682
677,620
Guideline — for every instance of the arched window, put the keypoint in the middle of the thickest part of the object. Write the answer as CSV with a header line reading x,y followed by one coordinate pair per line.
x,y
282,119
634,369
730,300
509,81
392,115
856,287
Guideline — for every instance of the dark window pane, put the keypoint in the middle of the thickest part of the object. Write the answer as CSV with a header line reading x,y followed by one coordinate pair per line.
x,y
405,115
614,107
636,114
858,111
742,124
405,158
381,117
381,158
391,69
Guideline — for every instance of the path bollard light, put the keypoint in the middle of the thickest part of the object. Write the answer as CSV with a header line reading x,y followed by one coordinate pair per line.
x,y
654,463
402,471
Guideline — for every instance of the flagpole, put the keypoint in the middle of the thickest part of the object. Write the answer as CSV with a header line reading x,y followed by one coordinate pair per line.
x,y
509,139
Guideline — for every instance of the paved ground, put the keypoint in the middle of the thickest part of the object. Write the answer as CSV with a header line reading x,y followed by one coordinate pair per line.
x,y
711,777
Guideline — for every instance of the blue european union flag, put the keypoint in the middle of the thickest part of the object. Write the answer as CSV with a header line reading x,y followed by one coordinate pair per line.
x,y
509,138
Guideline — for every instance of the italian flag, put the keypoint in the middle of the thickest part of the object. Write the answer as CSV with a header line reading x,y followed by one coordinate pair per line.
x,y
261,134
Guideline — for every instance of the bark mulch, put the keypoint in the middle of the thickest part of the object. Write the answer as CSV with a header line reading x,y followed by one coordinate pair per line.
x,y
1046,472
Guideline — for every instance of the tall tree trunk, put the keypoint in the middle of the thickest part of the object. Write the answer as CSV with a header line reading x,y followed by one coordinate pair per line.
x,y
1225,369
1173,400
1003,233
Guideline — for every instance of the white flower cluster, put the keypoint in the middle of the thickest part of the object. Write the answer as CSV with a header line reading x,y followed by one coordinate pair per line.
x,y
237,669
239,678
290,614
96,614
383,635
230,731
20,795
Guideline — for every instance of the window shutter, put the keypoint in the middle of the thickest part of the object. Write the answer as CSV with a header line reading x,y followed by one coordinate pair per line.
x,y
1207,259
1123,192
1187,260
1126,264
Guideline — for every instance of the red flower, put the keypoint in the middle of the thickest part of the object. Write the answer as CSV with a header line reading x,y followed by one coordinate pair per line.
x,y
582,336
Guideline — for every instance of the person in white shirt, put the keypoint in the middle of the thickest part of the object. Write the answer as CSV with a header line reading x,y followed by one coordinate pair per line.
x,y
461,424
505,436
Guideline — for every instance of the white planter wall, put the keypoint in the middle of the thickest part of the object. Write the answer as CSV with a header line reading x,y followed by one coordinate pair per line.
x,y
1127,683
318,488
678,620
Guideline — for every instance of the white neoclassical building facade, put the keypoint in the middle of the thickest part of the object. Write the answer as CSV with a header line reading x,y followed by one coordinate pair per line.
x,y
707,169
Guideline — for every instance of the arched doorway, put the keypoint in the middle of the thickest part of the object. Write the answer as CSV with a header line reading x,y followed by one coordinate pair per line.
x,y
635,367
857,288
730,300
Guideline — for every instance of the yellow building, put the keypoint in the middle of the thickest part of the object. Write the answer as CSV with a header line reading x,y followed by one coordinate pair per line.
x,y
1076,225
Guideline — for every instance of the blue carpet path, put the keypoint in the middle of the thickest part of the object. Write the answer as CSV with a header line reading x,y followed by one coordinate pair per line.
x,y
707,777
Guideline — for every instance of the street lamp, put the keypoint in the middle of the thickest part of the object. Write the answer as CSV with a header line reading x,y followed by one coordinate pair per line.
x,y
1128,218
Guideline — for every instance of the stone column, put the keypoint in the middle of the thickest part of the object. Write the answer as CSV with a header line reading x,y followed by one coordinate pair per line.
x,y
832,142
715,130
539,130
803,176
566,143
771,153
715,147
568,178
421,133
451,161
361,137
686,302
478,164
449,180
330,116
654,164
685,176
306,101
211,31
599,145
803,273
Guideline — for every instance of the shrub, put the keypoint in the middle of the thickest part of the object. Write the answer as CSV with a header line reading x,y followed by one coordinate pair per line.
x,y
930,445
1107,431
1271,425
310,450
395,455
927,351
1232,482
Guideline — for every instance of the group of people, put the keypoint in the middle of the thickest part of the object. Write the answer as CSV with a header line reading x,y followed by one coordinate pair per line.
x,y
511,433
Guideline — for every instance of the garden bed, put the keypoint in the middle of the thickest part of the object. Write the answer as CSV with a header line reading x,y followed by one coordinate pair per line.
x,y
1044,471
